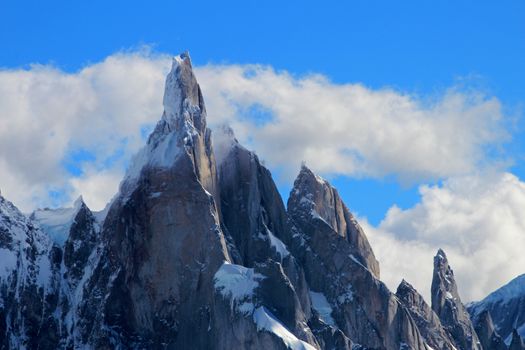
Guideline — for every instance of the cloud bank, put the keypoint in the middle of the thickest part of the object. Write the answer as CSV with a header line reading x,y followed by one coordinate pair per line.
x,y
348,129
478,220
64,134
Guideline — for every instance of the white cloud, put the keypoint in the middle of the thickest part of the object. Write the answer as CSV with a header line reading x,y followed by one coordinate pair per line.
x,y
478,220
337,129
352,130
96,186
45,114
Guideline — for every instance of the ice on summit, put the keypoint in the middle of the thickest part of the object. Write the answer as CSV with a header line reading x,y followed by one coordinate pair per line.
x,y
182,119
57,222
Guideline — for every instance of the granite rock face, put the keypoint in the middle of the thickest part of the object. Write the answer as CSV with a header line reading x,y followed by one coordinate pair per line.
x,y
487,334
313,200
198,251
426,319
344,270
162,236
447,304
80,244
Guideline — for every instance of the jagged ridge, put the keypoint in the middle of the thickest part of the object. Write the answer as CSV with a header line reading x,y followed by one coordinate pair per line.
x,y
199,254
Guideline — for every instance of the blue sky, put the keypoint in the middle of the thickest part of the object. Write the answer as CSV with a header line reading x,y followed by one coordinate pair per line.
x,y
413,109
419,47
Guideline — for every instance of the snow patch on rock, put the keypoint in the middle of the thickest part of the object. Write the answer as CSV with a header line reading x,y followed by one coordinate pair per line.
x,y
237,283
265,321
278,245
323,307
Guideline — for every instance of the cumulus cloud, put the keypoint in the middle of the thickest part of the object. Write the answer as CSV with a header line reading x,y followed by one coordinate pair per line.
x,y
478,220
47,115
348,129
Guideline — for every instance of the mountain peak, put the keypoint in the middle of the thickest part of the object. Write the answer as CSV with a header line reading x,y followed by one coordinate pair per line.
x,y
79,202
441,255
182,95
314,199
447,305
181,126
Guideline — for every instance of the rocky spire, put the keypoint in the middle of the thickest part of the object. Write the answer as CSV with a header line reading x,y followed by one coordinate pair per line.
x,y
183,102
82,238
252,208
182,129
426,319
487,334
313,197
162,236
447,304
340,267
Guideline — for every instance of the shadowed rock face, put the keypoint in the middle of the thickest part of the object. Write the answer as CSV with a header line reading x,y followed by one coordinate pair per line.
x,y
506,308
162,235
82,239
252,208
426,319
488,336
29,280
517,342
447,304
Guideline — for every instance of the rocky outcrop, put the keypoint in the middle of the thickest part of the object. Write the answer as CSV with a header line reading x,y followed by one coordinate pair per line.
x,y
29,283
252,208
426,319
487,334
313,199
345,272
447,304
80,244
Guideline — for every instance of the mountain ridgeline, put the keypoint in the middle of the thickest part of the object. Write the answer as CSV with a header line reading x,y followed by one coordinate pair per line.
x,y
199,252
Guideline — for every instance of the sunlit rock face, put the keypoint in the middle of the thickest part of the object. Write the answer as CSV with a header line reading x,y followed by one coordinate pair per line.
x,y
426,319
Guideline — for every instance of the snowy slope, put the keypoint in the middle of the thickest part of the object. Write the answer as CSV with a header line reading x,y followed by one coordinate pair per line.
x,y
506,306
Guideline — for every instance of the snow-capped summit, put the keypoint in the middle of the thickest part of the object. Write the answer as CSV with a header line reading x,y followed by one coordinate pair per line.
x,y
181,130
183,101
